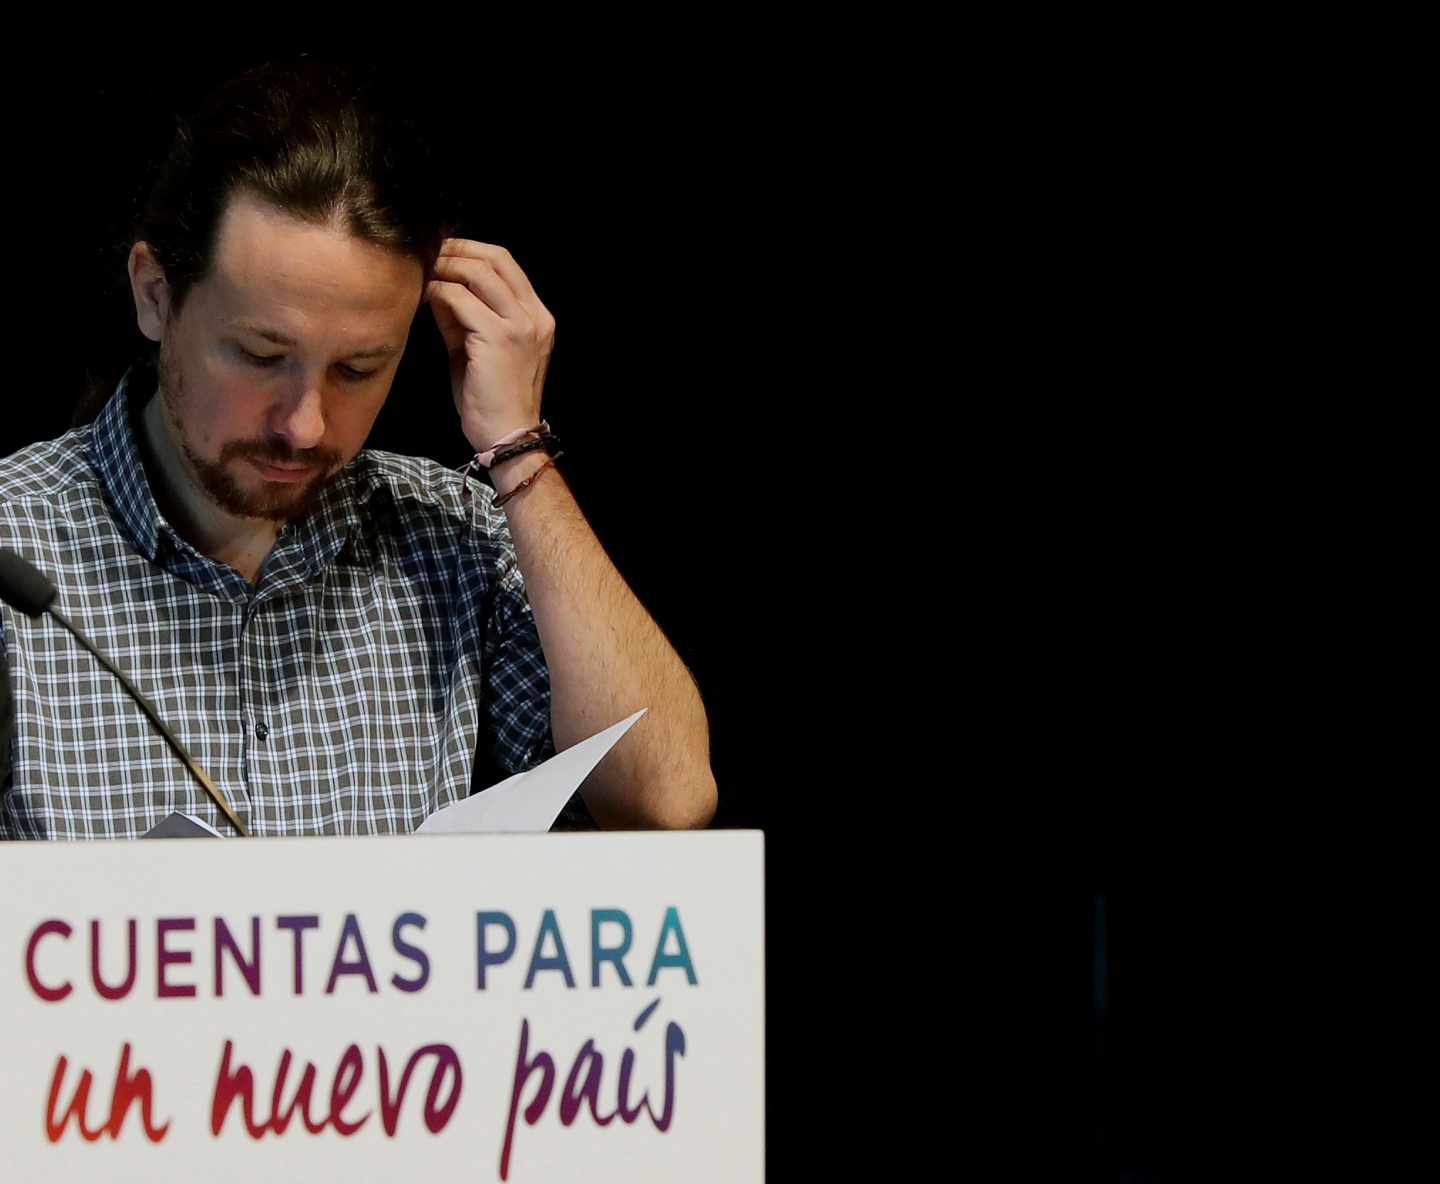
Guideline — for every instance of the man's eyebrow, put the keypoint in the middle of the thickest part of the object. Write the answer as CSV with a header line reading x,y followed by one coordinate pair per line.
x,y
278,338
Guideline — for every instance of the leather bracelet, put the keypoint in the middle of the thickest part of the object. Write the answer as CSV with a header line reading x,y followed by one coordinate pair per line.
x,y
487,457
546,441
505,497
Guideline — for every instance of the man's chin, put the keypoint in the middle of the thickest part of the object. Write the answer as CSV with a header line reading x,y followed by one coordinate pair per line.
x,y
253,496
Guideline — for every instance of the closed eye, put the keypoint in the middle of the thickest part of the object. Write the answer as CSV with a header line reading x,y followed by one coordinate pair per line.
x,y
260,359
268,361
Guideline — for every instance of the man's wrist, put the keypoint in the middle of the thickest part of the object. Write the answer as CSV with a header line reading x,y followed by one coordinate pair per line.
x,y
484,439
508,474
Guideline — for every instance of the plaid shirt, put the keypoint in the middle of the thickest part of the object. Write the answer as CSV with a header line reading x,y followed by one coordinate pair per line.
x,y
342,693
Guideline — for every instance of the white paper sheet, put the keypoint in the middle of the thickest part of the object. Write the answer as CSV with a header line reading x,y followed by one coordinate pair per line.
x,y
532,800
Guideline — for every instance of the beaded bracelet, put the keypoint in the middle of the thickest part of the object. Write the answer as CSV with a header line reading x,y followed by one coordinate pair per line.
x,y
505,497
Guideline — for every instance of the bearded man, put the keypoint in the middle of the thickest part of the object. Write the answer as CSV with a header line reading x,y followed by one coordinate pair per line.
x,y
331,631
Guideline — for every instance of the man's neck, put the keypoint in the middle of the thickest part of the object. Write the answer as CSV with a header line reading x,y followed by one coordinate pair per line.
x,y
241,543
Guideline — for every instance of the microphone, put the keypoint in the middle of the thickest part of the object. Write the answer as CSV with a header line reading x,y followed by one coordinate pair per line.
x,y
22,586
25,588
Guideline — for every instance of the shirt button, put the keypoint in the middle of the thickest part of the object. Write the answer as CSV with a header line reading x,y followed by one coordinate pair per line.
x,y
262,729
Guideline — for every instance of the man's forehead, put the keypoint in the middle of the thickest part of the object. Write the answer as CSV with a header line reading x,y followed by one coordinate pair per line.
x,y
263,254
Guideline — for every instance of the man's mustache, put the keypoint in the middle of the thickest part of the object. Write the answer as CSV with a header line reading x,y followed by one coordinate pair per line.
x,y
278,452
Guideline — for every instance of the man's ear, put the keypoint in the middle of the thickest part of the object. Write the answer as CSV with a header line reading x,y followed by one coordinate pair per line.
x,y
151,292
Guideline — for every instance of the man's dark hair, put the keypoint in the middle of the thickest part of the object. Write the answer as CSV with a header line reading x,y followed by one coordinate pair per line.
x,y
319,141
325,142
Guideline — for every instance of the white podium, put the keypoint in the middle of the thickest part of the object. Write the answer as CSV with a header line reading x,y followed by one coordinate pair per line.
x,y
414,1008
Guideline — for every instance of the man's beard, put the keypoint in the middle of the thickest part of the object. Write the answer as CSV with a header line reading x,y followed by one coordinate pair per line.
x,y
274,500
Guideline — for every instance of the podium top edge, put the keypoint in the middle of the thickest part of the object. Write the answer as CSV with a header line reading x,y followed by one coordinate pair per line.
x,y
707,835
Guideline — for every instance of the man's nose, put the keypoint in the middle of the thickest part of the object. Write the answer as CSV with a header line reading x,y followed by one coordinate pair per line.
x,y
301,420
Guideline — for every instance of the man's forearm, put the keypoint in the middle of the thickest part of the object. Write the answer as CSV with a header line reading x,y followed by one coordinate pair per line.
x,y
607,659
